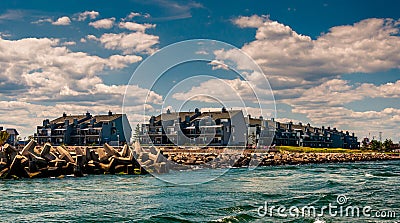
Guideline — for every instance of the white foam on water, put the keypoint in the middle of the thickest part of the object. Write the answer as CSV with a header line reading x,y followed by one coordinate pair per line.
x,y
369,175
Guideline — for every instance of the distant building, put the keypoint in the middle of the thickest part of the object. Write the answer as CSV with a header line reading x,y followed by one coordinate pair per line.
x,y
290,134
84,129
223,128
13,135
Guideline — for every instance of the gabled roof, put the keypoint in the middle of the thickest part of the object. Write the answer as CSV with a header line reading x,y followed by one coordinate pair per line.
x,y
70,118
173,116
12,131
98,118
102,118
254,121
214,114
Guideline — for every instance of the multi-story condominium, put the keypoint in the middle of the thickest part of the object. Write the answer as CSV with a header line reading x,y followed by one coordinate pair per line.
x,y
217,128
224,128
85,130
290,134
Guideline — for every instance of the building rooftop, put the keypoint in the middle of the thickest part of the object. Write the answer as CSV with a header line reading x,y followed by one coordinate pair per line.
x,y
98,118
12,131
214,114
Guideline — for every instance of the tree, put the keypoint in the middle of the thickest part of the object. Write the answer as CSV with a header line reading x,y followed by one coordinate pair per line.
x,y
3,137
388,144
136,135
376,145
364,144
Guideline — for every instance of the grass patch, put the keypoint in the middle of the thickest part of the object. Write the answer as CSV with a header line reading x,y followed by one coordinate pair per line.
x,y
296,149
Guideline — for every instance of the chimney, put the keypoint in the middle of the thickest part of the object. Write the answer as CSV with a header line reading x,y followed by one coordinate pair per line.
x,y
261,118
223,109
64,114
46,122
109,113
87,114
168,111
197,111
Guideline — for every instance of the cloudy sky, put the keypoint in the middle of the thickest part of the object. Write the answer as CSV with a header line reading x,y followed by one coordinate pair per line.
x,y
328,62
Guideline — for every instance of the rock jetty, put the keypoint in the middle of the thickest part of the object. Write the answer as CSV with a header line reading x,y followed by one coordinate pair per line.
x,y
59,161
226,160
48,161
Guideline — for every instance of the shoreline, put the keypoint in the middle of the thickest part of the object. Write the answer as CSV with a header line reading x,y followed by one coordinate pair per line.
x,y
59,161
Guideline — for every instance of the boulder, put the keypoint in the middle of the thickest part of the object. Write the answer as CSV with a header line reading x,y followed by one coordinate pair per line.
x,y
17,168
49,156
153,150
46,150
122,160
87,155
4,172
38,160
125,151
110,150
28,148
9,149
64,154
137,148
2,164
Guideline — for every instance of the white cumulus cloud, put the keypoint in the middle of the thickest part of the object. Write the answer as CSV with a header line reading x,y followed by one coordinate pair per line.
x,y
103,23
62,21
367,46
136,26
84,15
128,43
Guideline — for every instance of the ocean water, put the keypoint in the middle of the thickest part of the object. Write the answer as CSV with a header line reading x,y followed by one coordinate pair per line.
x,y
236,196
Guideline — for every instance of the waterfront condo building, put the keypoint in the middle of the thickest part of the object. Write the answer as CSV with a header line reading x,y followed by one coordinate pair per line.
x,y
85,129
290,134
231,128
216,128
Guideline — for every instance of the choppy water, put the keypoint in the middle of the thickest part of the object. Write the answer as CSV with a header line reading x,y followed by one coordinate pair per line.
x,y
234,197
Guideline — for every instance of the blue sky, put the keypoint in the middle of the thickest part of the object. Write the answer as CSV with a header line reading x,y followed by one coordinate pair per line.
x,y
333,63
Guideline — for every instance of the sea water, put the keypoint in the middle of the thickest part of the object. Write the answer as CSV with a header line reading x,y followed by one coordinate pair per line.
x,y
239,195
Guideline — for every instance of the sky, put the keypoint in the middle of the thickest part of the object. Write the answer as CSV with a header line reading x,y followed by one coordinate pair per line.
x,y
328,62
